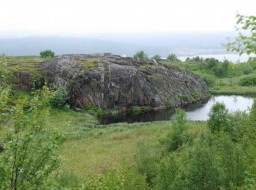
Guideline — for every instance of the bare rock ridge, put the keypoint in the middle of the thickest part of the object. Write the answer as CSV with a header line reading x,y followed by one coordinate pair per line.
x,y
111,81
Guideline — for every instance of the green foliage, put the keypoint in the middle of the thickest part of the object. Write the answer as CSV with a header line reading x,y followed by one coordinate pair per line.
x,y
157,57
252,115
116,179
218,118
168,173
209,79
168,102
146,160
211,63
59,97
4,90
93,110
246,41
178,136
248,70
249,80
172,58
196,96
47,53
112,179
232,159
221,69
203,170
28,157
141,56
4,73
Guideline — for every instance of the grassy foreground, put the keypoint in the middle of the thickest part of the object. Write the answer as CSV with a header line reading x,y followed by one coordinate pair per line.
x,y
91,148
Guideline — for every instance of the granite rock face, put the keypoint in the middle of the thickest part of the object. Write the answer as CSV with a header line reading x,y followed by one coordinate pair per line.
x,y
110,81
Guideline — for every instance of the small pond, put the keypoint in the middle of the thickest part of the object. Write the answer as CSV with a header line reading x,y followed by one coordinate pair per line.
x,y
194,112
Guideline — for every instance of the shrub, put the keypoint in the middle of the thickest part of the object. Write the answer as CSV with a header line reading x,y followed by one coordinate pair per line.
x,y
167,172
203,171
47,53
146,161
59,97
168,102
218,118
247,70
156,58
178,136
249,80
29,155
209,79
252,114
211,63
141,56
93,110
172,57
196,96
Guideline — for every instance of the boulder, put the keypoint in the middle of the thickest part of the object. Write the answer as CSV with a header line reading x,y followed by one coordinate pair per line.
x,y
111,81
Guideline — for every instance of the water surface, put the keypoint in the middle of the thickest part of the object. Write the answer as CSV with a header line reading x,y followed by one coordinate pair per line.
x,y
235,58
233,103
195,112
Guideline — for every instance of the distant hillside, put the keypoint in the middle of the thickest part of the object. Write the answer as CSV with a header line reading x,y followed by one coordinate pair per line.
x,y
122,44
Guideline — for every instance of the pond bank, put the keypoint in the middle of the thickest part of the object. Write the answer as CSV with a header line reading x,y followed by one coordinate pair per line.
x,y
195,112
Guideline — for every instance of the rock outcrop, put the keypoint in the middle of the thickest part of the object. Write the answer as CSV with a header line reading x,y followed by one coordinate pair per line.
x,y
110,81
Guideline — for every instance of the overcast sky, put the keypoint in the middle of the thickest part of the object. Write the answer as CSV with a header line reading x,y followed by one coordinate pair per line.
x,y
82,17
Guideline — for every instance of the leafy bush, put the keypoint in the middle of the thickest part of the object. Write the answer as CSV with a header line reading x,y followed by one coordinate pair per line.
x,y
196,96
29,155
146,160
211,63
209,79
247,70
203,171
93,110
168,102
249,80
173,58
221,69
252,114
178,136
218,118
47,53
167,172
157,57
141,56
59,97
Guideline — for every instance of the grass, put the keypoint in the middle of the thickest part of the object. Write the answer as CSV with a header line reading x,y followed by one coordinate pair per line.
x,y
229,84
90,63
233,90
28,64
91,148
114,146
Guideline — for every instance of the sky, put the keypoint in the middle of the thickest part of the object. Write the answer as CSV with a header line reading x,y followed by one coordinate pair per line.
x,y
85,17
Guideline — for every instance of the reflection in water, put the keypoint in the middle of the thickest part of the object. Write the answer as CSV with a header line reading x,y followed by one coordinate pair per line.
x,y
195,112
232,103
143,117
